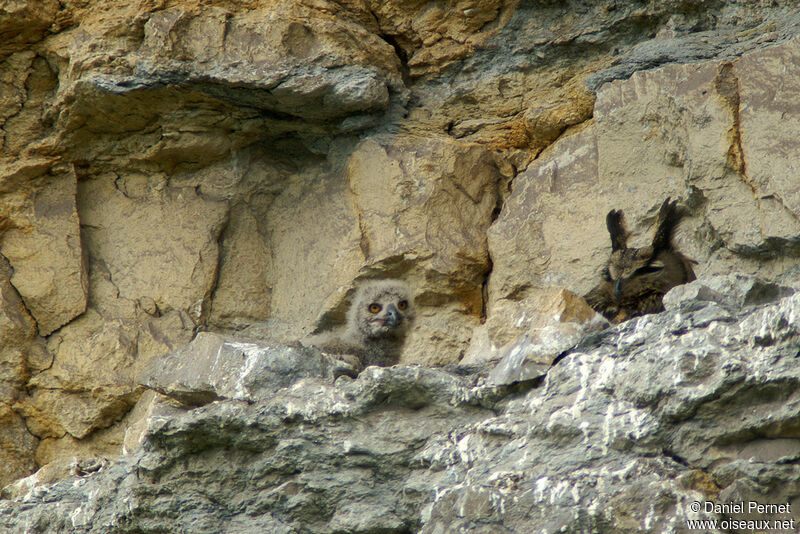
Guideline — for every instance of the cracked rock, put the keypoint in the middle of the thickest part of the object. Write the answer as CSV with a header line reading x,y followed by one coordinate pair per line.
x,y
623,434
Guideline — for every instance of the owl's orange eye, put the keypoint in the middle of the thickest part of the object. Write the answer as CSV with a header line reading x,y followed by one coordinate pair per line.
x,y
374,307
402,305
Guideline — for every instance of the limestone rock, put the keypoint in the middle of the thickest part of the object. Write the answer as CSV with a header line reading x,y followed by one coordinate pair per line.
x,y
89,385
29,83
17,446
665,408
732,291
546,121
527,336
242,294
129,218
46,475
212,367
430,188
17,338
64,452
537,67
44,248
150,408
674,131
23,23
315,199
20,351
535,312
244,165
432,37
427,217
335,77
523,338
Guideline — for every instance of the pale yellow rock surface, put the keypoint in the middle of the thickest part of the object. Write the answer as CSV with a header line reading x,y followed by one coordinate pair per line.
x,y
43,246
553,319
423,208
242,294
156,241
313,241
21,351
17,446
17,338
673,132
168,167
434,35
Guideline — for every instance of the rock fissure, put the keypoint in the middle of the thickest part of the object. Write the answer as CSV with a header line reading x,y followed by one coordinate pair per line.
x,y
208,298
727,86
402,56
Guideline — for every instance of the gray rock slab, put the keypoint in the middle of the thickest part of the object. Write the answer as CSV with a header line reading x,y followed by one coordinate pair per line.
x,y
213,367
623,434
732,291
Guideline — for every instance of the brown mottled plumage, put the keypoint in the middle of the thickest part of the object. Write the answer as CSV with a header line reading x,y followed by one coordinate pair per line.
x,y
635,279
377,322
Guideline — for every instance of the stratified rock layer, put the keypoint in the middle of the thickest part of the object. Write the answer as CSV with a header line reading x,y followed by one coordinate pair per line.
x,y
173,167
699,133
623,434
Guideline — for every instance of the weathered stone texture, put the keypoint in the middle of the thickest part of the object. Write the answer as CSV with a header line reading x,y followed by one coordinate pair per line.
x,y
23,23
767,115
17,446
623,433
432,36
242,294
167,168
423,209
212,367
89,384
28,84
315,198
17,338
523,338
676,131
20,353
43,246
537,311
156,241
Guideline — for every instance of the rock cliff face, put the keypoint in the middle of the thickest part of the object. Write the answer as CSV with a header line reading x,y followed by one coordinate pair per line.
x,y
169,167
623,434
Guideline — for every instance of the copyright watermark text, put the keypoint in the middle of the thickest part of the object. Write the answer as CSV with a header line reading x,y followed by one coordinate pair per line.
x,y
747,508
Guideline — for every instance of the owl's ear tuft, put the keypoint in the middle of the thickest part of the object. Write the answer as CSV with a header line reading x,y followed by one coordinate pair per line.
x,y
667,220
615,223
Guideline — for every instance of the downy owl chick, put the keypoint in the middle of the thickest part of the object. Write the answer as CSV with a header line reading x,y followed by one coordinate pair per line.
x,y
379,317
635,279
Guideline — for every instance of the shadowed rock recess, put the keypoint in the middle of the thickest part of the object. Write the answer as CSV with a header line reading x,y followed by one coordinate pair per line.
x,y
188,188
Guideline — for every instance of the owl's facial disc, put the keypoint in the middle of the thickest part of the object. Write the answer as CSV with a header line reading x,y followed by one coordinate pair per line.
x,y
385,320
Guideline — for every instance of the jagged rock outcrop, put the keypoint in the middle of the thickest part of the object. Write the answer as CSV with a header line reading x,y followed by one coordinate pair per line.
x,y
623,434
698,132
168,168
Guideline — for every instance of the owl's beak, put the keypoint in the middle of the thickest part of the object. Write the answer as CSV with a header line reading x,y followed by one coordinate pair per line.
x,y
392,316
618,288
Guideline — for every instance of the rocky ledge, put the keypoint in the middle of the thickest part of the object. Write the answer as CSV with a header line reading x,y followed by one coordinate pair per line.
x,y
634,429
